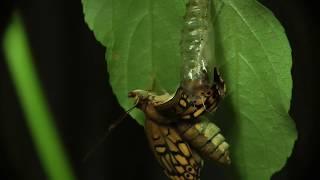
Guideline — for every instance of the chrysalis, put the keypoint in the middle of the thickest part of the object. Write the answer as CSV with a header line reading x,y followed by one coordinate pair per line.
x,y
198,91
196,52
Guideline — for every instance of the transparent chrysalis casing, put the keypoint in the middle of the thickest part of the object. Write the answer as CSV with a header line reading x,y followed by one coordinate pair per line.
x,y
197,41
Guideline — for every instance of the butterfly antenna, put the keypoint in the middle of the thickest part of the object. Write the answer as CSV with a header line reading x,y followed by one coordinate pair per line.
x,y
106,134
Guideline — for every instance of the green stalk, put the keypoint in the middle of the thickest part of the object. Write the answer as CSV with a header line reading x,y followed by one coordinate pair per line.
x,y
38,116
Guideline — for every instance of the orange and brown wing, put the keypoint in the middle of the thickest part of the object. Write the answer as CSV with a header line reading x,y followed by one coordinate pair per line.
x,y
174,155
190,107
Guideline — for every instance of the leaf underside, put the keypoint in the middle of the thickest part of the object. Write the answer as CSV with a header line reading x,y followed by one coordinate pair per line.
x,y
251,49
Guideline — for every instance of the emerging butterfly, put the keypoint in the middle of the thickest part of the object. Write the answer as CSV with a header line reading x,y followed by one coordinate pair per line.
x,y
177,136
179,145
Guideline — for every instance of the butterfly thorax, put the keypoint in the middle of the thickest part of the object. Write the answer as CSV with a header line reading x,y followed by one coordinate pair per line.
x,y
193,98
147,102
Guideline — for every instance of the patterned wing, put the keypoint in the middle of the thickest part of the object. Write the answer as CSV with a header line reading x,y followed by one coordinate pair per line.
x,y
175,156
186,106
191,103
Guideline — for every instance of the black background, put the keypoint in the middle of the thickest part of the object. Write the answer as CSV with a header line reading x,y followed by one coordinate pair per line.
x,y
73,73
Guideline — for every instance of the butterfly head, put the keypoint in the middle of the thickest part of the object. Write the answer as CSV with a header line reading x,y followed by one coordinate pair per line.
x,y
141,97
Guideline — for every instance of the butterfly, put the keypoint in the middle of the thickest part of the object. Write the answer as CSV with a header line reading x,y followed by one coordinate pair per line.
x,y
179,145
177,136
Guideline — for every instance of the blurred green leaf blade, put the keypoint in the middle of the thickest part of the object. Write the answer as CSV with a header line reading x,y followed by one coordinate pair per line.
x,y
35,107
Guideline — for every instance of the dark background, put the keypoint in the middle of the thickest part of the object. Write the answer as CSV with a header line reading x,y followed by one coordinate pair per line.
x,y
72,69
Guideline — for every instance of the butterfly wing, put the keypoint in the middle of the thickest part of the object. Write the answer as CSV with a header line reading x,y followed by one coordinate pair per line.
x,y
190,106
175,156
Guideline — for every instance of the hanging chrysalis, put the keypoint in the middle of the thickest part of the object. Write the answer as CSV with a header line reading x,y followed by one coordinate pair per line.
x,y
196,52
201,87
198,92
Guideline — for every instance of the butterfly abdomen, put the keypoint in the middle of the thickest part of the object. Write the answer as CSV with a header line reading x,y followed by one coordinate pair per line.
x,y
206,139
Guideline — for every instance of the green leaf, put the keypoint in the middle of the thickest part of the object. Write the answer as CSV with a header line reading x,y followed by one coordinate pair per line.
x,y
255,58
142,39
